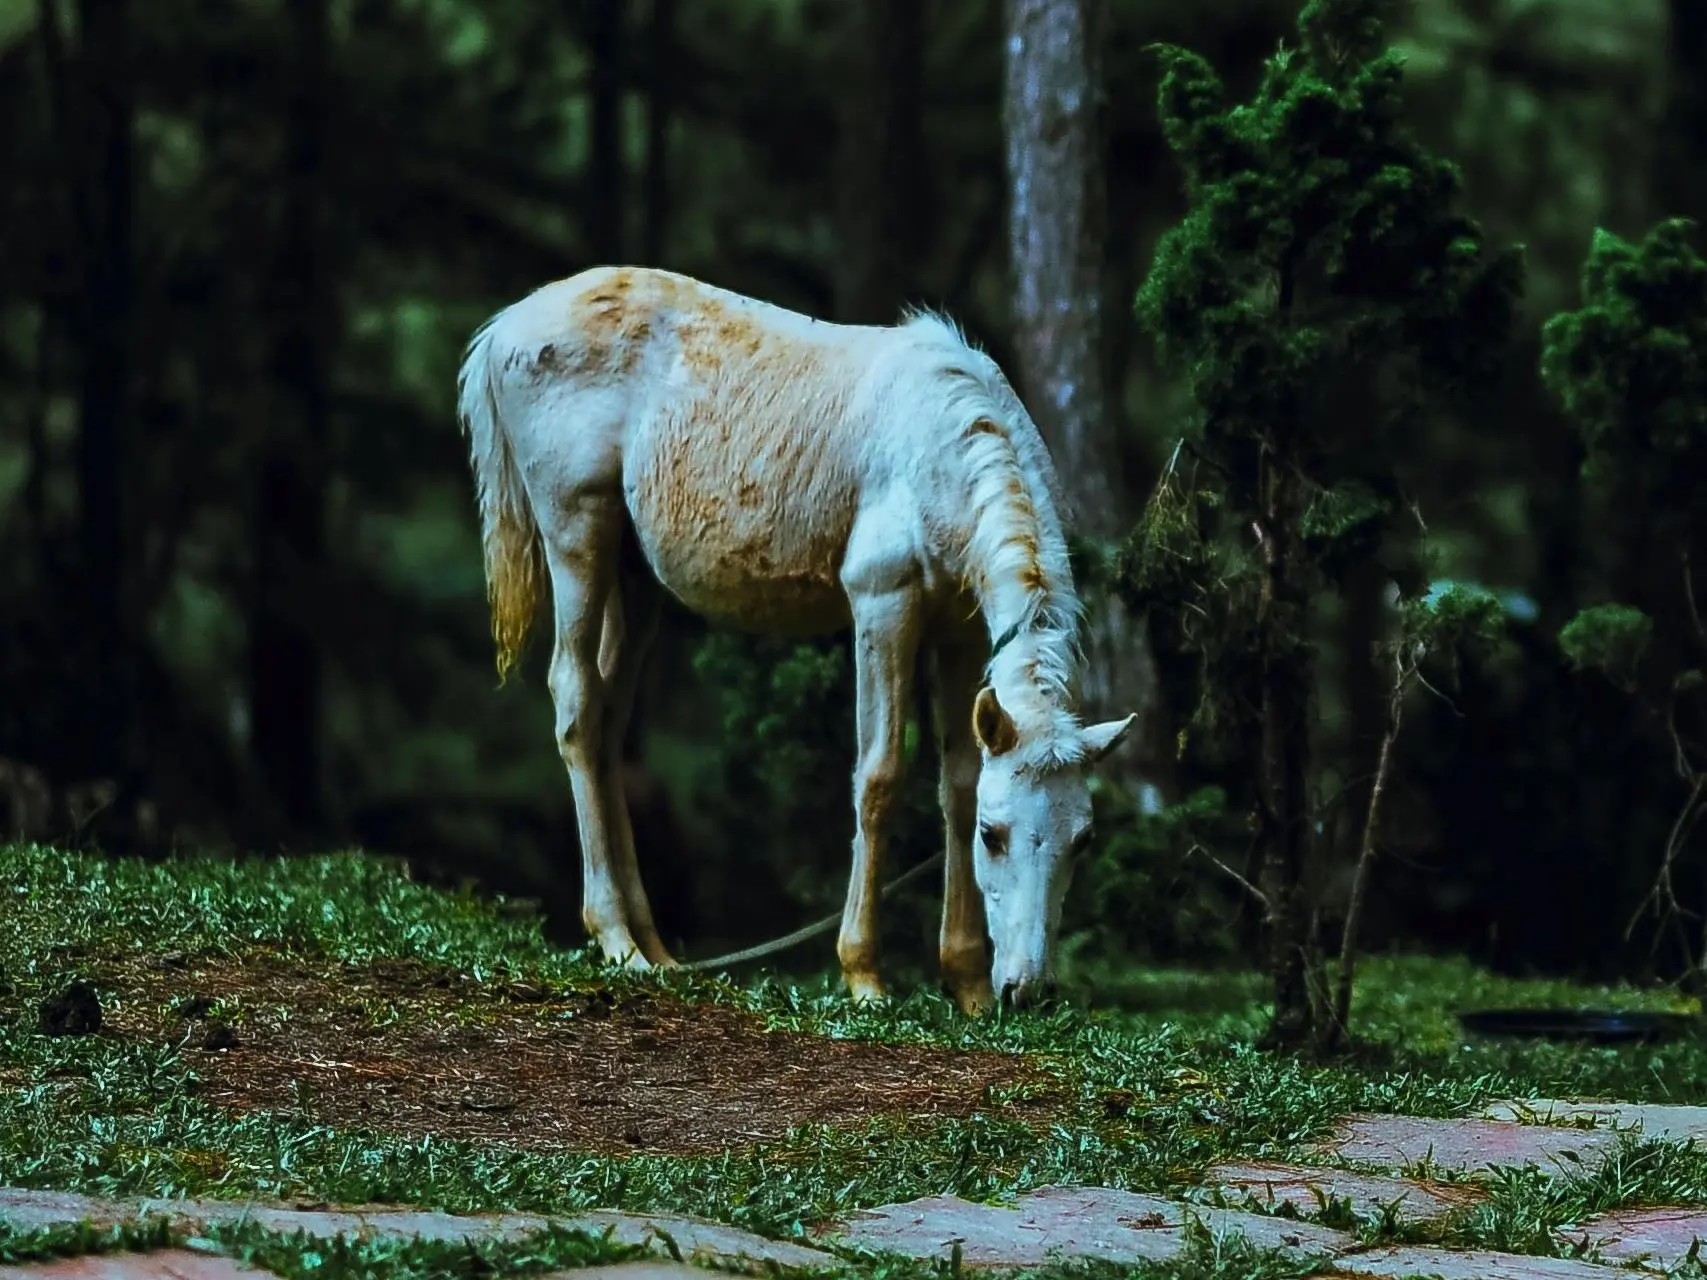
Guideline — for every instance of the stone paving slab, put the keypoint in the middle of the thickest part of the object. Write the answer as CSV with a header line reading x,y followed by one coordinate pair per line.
x,y
1654,1237
38,1210
1066,1222
354,1223
185,1264
634,1271
698,1238
1654,1120
1470,1264
1307,1187
159,1264
1466,1143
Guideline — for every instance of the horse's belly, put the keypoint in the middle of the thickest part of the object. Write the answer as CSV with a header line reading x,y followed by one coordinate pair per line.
x,y
764,597
750,557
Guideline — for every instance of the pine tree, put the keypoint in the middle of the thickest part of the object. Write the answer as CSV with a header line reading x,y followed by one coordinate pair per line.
x,y
1319,292
1628,367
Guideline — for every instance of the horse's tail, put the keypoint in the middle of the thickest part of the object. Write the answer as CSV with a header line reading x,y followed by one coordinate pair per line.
x,y
515,562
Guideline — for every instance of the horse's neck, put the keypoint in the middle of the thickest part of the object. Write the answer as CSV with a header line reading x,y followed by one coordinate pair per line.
x,y
1038,668
1021,606
1015,555
1036,681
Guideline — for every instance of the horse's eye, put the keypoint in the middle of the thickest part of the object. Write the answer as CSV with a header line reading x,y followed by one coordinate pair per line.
x,y
995,837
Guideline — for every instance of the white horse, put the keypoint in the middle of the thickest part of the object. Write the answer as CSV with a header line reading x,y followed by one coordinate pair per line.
x,y
630,427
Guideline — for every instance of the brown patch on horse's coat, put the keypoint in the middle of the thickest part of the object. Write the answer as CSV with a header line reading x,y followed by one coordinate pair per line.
x,y
614,322
876,801
1031,574
715,338
721,527
417,1051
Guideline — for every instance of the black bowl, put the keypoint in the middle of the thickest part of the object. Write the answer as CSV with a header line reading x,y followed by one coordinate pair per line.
x,y
1600,1026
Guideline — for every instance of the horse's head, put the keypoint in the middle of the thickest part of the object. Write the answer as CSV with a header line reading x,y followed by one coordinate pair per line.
x,y
1034,821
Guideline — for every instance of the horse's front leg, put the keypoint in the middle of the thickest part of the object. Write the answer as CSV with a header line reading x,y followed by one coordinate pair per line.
x,y
886,630
956,665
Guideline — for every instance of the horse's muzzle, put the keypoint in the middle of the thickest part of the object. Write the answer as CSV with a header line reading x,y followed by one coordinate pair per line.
x,y
1029,994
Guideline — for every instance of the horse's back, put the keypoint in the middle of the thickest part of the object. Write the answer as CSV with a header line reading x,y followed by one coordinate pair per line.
x,y
611,323
738,428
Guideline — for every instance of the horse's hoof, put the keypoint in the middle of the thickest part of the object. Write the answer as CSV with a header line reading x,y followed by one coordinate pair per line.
x,y
866,989
626,955
976,1001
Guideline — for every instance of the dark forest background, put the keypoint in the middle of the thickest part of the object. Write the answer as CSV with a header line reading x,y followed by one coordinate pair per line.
x,y
242,243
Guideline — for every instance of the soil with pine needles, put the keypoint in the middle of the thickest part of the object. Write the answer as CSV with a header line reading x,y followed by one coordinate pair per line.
x,y
407,1049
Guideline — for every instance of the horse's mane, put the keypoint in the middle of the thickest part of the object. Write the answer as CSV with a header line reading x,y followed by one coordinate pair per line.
x,y
1016,561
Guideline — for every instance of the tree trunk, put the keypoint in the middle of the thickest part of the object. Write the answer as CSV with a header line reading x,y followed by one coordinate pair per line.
x,y
36,440
1284,828
881,201
103,192
660,107
66,205
1058,236
1679,184
605,203
289,533
1052,117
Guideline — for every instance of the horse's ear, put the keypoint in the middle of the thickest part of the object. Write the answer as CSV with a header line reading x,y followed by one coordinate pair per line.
x,y
1102,738
992,724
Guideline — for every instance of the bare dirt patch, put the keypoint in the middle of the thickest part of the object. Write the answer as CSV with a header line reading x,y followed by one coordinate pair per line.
x,y
414,1051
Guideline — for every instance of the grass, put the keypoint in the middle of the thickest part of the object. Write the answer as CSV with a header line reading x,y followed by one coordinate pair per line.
x,y
1161,1080
20,1247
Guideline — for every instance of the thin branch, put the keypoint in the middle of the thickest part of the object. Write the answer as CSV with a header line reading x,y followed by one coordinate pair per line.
x,y
1450,704
1173,464
1689,597
1249,888
1416,513
1403,674
1663,894
1679,753
1199,456
808,932
1340,792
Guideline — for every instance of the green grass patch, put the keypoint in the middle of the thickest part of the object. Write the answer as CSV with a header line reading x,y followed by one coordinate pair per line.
x,y
45,1244
1159,1071
299,1256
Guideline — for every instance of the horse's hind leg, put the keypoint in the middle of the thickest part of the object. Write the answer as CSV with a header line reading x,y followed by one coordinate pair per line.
x,y
582,550
631,620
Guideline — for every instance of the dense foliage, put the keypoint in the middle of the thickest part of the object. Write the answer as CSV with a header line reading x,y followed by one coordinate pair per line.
x,y
1628,366
1321,288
